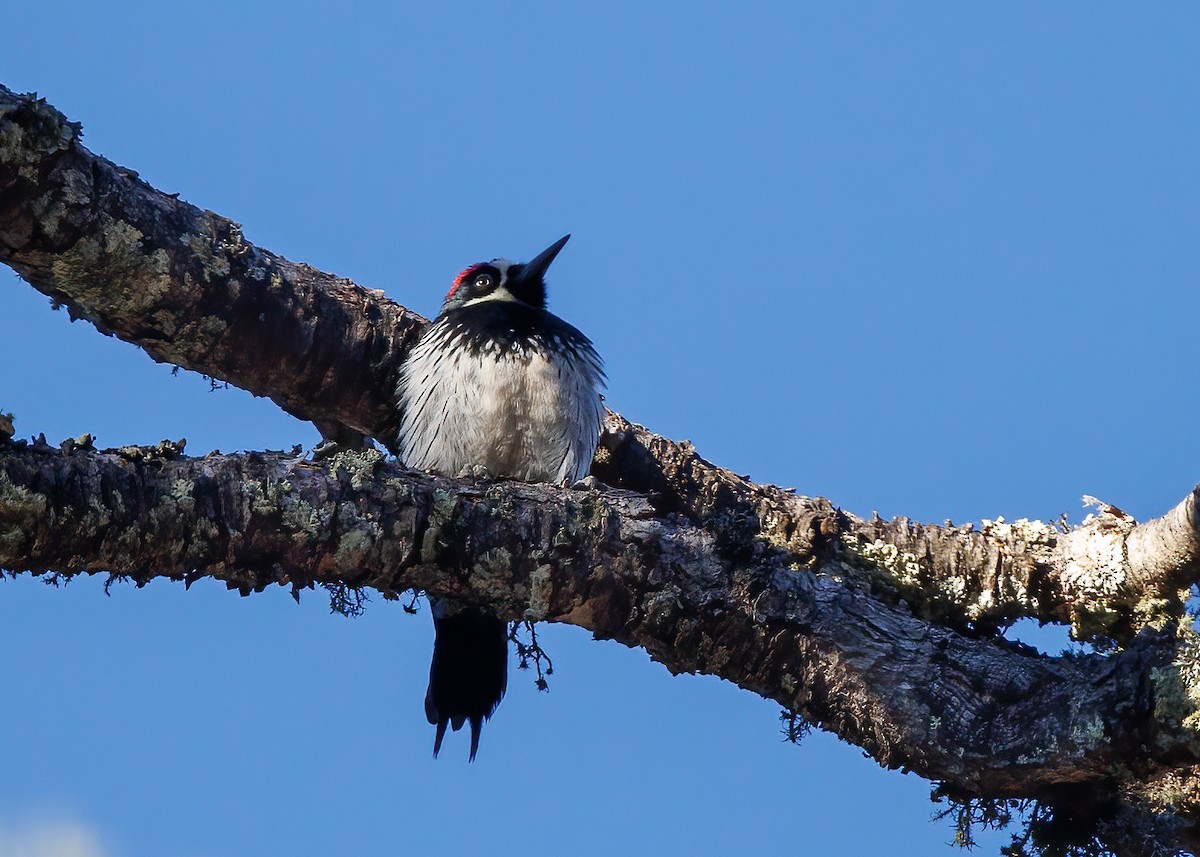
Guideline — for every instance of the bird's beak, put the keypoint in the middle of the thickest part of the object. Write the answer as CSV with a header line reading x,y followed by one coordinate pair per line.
x,y
535,269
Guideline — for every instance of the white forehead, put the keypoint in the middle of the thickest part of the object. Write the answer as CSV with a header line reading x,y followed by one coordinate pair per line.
x,y
503,266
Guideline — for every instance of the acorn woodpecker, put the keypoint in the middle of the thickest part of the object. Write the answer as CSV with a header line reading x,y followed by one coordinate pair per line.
x,y
495,382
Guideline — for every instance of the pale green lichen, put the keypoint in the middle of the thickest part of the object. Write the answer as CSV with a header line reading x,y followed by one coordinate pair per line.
x,y
51,208
20,510
595,512
540,589
494,563
270,497
923,583
441,512
1158,612
299,515
1035,541
1095,563
354,546
113,269
265,497
182,489
1038,755
899,567
206,331
592,516
360,465
1094,571
1177,690
1032,533
1089,733
213,265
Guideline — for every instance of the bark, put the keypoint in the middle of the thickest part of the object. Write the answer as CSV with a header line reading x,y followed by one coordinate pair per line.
x,y
884,632
785,624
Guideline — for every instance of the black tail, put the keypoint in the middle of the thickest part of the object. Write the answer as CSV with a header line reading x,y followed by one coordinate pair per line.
x,y
469,673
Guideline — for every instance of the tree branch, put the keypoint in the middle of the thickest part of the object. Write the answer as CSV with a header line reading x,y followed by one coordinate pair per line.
x,y
185,285
1107,578
790,626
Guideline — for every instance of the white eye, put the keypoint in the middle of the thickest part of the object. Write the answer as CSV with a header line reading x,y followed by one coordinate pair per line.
x,y
483,282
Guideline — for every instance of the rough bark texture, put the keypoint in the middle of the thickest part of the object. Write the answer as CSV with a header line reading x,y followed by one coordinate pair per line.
x,y
883,631
789,625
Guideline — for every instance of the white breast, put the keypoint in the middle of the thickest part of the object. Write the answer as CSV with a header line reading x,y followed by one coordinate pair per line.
x,y
518,413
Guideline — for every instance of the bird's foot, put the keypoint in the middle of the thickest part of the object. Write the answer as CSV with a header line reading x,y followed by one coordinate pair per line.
x,y
474,471
327,449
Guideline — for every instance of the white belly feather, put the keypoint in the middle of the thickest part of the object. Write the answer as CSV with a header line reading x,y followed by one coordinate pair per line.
x,y
517,413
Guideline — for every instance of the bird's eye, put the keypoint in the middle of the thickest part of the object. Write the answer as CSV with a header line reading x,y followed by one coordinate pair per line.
x,y
483,282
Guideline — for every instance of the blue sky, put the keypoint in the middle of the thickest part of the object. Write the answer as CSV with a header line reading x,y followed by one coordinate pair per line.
x,y
933,259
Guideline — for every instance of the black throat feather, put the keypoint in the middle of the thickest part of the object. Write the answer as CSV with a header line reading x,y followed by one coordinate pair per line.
x,y
501,326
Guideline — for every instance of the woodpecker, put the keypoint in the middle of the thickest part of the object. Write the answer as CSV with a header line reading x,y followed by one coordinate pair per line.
x,y
496,382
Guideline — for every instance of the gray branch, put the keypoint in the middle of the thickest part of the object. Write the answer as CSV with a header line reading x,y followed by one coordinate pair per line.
x,y
792,626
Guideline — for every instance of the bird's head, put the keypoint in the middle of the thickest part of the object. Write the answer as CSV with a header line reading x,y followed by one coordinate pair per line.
x,y
504,280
